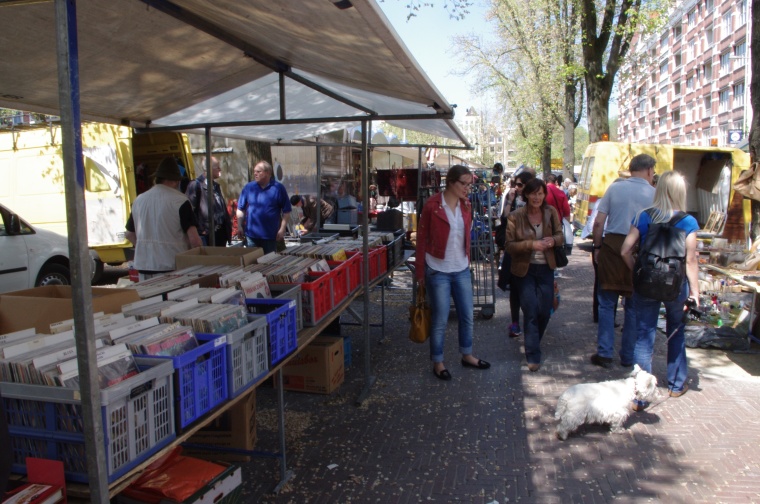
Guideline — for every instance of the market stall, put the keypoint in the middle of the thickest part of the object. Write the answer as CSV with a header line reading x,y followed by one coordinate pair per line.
x,y
142,66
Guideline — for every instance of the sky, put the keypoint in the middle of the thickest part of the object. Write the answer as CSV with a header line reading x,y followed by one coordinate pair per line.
x,y
428,36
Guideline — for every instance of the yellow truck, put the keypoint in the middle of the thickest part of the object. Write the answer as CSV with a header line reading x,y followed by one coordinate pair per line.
x,y
118,165
709,171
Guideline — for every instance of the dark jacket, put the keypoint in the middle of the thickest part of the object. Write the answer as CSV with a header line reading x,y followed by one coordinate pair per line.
x,y
197,194
521,235
614,275
433,231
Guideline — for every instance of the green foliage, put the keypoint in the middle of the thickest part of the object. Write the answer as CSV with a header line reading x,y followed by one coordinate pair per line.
x,y
457,9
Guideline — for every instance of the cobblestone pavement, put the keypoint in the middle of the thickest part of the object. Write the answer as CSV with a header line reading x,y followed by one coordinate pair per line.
x,y
488,436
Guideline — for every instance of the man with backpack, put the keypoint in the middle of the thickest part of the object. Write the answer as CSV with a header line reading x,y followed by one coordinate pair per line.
x,y
666,271
621,202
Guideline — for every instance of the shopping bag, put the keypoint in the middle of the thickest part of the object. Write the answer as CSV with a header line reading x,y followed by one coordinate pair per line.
x,y
567,230
419,313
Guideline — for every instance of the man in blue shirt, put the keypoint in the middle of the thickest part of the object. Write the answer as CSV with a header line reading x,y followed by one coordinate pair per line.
x,y
263,209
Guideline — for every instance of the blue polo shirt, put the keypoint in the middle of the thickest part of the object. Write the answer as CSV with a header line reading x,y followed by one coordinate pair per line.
x,y
263,208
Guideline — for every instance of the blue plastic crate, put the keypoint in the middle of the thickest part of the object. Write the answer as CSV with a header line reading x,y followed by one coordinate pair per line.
x,y
137,414
200,380
247,356
281,319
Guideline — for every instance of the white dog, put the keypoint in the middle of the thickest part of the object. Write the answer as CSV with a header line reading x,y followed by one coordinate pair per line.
x,y
606,402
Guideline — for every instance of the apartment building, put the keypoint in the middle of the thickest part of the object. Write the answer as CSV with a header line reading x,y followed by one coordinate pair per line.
x,y
490,144
689,84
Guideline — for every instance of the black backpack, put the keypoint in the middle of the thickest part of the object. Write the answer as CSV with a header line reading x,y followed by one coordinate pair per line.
x,y
660,268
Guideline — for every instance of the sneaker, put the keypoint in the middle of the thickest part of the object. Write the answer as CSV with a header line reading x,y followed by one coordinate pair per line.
x,y
514,331
598,360
639,405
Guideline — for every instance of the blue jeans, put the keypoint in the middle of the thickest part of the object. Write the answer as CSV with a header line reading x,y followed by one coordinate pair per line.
x,y
647,313
440,288
605,337
267,245
536,290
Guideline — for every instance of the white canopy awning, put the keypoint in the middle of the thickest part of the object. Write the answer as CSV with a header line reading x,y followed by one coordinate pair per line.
x,y
260,69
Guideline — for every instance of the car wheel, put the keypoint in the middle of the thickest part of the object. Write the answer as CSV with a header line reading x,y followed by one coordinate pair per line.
x,y
97,270
53,274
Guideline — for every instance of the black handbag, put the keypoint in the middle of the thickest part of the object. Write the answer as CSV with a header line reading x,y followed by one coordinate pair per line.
x,y
560,255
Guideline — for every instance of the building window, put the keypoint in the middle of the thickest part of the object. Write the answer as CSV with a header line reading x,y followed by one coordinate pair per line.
x,y
738,94
677,88
654,76
708,106
664,41
664,94
707,74
642,106
740,53
677,59
689,139
727,25
677,31
663,121
709,5
690,113
691,50
692,17
676,117
725,63
663,69
709,37
690,83
742,12
723,100
653,102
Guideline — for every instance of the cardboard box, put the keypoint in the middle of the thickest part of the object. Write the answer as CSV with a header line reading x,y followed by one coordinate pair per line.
x,y
41,306
317,368
235,428
233,256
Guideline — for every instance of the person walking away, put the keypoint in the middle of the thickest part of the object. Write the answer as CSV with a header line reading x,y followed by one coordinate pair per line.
x,y
515,200
443,266
532,233
615,212
197,193
669,201
162,223
556,197
263,210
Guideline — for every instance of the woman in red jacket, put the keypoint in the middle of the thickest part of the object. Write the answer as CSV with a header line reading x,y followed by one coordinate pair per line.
x,y
443,266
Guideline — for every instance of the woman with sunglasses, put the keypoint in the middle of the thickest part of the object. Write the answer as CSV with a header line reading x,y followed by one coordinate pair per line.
x,y
532,233
513,201
443,266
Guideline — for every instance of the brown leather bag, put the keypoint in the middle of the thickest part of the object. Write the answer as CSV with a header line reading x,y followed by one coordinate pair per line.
x,y
419,313
748,183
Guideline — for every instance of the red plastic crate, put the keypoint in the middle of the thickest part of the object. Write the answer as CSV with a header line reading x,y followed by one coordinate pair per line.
x,y
379,256
354,265
340,285
316,298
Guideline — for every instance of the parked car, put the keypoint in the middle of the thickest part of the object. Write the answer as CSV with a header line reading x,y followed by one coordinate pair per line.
x,y
30,257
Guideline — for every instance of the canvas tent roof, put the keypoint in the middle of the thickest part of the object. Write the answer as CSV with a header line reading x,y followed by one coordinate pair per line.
x,y
223,63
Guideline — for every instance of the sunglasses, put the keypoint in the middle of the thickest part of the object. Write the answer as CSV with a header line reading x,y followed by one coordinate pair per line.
x,y
519,185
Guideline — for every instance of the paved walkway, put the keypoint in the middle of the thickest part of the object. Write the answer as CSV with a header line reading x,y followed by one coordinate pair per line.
x,y
488,437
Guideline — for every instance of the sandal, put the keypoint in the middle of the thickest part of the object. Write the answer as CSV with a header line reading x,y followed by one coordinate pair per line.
x,y
443,375
480,365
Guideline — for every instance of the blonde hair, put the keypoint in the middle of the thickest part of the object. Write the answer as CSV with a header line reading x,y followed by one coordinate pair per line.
x,y
669,196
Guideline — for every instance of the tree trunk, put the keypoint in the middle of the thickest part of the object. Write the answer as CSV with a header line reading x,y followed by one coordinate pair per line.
x,y
598,105
546,153
754,93
568,144
257,151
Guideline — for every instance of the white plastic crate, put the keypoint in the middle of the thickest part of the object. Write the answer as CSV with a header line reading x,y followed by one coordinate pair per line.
x,y
138,420
247,355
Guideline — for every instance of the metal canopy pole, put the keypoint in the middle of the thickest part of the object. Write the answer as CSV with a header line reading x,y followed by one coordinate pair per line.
x,y
210,196
81,290
369,379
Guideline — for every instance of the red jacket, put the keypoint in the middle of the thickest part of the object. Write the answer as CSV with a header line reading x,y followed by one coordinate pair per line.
x,y
433,231
557,198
